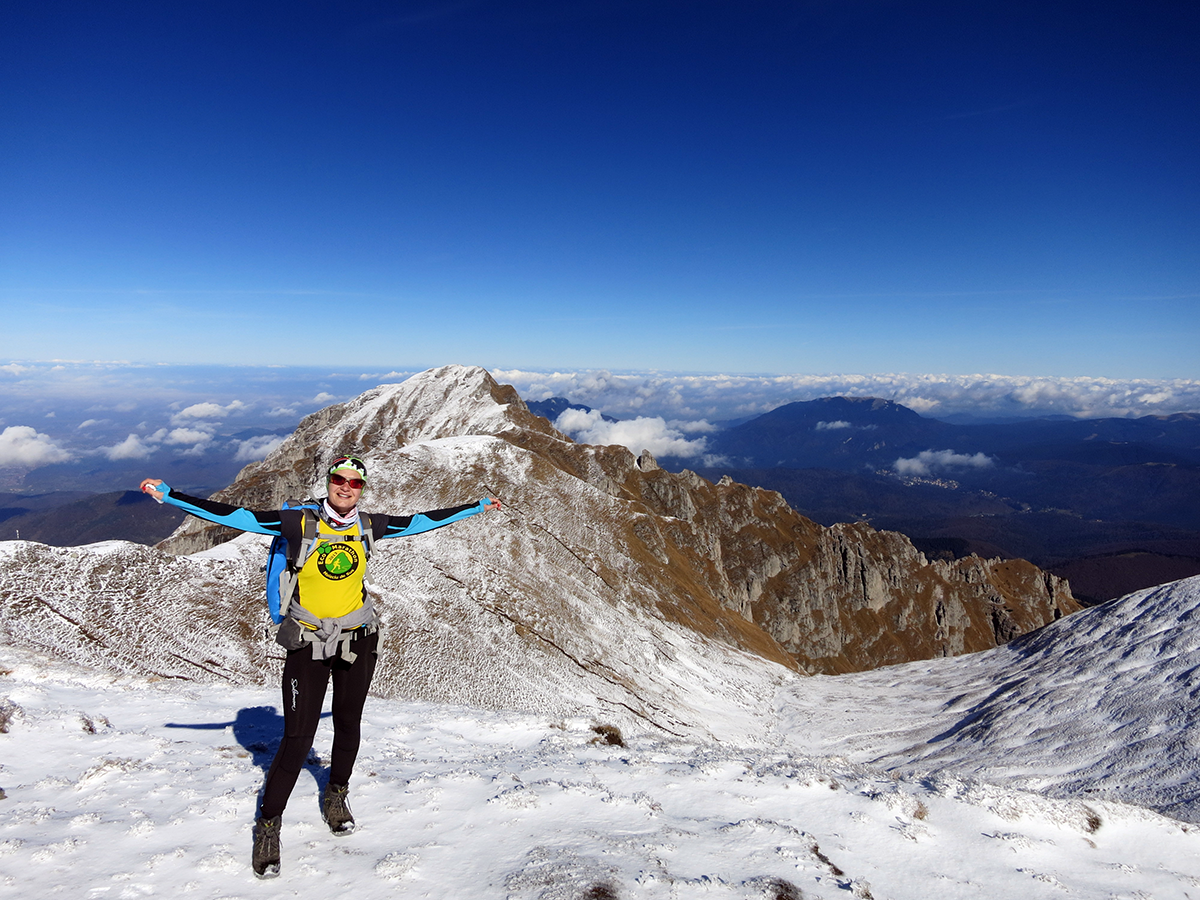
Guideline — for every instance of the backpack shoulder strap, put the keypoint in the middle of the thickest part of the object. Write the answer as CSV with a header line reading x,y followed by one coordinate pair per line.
x,y
308,539
374,527
298,526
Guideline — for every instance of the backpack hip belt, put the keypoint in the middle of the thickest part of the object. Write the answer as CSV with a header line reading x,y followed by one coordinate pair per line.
x,y
332,637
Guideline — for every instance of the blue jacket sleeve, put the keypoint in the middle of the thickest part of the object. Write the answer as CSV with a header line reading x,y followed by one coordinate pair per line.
x,y
223,513
404,526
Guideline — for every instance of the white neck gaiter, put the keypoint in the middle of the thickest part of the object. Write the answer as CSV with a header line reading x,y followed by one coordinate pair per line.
x,y
338,519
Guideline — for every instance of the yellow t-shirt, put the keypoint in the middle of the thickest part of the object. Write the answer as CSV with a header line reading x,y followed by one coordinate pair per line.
x,y
331,580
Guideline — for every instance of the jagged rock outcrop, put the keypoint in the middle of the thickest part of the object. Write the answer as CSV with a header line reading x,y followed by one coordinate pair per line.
x,y
729,561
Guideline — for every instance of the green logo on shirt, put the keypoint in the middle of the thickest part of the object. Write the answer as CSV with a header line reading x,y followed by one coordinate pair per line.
x,y
336,561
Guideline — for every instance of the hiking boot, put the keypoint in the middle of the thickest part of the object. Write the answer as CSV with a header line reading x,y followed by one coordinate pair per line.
x,y
266,847
335,809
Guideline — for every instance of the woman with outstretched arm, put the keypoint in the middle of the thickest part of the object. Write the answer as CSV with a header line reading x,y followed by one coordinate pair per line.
x,y
330,629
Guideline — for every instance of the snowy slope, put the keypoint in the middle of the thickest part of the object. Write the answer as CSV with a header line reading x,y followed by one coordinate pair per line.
x,y
1102,703
123,787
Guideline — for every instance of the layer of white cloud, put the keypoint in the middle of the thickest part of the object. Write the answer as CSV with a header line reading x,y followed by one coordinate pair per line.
x,y
26,447
651,433
197,440
929,462
833,426
199,411
188,436
392,377
126,412
195,408
724,397
256,448
207,410
133,447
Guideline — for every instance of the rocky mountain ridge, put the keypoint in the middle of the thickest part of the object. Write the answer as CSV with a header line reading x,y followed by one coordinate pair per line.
x,y
835,599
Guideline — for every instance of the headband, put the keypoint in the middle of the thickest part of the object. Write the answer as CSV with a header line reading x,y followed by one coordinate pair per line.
x,y
349,462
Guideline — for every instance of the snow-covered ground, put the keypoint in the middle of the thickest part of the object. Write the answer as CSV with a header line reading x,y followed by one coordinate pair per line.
x,y
119,787
1105,702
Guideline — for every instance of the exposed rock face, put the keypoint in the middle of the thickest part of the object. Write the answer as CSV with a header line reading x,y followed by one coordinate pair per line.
x,y
868,598
586,525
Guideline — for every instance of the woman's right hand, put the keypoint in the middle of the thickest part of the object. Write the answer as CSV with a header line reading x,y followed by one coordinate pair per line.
x,y
148,487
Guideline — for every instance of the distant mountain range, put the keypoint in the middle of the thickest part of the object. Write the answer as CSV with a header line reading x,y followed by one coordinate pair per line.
x,y
69,518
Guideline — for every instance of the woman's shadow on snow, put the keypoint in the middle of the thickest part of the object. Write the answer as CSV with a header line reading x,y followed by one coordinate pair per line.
x,y
258,730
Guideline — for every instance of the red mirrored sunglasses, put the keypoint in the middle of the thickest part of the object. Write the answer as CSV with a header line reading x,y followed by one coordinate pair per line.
x,y
357,483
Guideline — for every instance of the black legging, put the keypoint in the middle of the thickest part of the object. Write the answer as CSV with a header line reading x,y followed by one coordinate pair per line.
x,y
304,682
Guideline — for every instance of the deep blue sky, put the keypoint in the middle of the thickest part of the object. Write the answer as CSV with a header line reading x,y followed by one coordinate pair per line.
x,y
694,186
